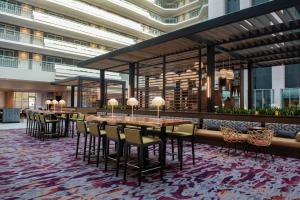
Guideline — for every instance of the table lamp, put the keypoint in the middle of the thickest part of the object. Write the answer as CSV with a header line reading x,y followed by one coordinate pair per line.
x,y
48,102
61,103
158,101
54,102
132,102
112,102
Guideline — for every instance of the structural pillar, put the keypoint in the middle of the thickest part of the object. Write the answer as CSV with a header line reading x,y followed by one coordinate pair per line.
x,y
210,78
137,80
146,91
79,97
72,95
250,85
102,88
242,86
199,80
164,81
131,80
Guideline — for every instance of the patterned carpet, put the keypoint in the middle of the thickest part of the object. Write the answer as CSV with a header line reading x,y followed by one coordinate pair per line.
x,y
31,169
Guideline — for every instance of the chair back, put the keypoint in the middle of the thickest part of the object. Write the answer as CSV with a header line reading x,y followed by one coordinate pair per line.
x,y
80,117
81,127
63,115
260,137
74,116
133,136
112,132
94,129
187,128
170,128
40,118
231,135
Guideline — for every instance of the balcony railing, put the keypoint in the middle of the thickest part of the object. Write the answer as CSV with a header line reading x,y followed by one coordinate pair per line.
x,y
15,9
14,62
20,37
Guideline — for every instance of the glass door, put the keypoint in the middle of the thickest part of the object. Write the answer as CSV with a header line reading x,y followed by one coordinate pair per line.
x,y
31,102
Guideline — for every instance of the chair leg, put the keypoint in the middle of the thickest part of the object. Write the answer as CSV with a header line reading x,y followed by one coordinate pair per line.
x,y
77,146
181,154
172,146
125,162
193,150
154,149
141,157
118,158
160,162
84,149
103,146
90,146
106,154
98,150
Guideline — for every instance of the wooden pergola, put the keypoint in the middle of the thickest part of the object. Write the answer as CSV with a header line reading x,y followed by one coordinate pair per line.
x,y
261,36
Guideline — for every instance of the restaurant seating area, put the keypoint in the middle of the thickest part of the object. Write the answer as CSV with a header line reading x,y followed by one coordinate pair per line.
x,y
215,175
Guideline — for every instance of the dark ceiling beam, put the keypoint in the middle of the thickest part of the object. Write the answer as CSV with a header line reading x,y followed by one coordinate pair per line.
x,y
267,41
291,25
274,51
277,57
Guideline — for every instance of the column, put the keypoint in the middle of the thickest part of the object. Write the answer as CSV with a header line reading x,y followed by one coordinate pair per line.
x,y
199,80
250,85
216,8
137,80
72,95
102,88
242,86
278,83
131,80
210,92
79,97
146,91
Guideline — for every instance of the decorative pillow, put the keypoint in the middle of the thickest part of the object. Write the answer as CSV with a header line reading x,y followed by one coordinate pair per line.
x,y
298,137
213,125
286,134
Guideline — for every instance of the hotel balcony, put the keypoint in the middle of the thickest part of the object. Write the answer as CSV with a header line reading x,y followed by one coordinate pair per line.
x,y
50,23
19,69
48,46
78,9
163,20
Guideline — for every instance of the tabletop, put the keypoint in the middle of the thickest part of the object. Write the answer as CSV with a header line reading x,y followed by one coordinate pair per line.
x,y
138,121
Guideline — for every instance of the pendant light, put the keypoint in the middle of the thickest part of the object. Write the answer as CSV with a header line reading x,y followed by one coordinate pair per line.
x,y
230,73
223,72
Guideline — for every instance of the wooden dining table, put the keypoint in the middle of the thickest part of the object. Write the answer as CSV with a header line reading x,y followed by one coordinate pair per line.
x,y
142,122
59,112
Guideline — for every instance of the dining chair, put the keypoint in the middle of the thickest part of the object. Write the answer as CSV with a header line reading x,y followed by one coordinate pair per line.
x,y
44,125
113,134
81,129
96,132
232,137
180,133
133,137
72,123
261,140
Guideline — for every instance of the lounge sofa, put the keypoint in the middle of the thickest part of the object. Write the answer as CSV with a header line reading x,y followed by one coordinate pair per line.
x,y
285,135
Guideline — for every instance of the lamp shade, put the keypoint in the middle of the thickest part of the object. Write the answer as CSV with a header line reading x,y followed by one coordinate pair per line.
x,y
158,101
223,73
112,102
62,102
132,101
54,102
48,102
230,74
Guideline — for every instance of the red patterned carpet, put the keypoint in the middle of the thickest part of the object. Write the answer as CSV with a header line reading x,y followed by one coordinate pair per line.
x,y
31,169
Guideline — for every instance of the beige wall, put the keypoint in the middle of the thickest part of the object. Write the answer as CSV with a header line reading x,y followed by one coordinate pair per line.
x,y
2,99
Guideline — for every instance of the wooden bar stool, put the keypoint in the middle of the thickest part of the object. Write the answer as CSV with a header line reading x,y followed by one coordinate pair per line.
x,y
81,129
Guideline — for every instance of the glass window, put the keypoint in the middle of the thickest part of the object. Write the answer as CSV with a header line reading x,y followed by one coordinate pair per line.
x,y
262,78
81,42
263,98
55,37
8,53
256,2
52,59
292,74
290,97
232,6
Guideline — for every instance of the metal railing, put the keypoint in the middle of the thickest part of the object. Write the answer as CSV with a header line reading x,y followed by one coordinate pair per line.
x,y
20,37
15,9
48,66
6,61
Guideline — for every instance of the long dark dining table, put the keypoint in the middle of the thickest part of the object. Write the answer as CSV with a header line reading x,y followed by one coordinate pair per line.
x,y
142,122
59,112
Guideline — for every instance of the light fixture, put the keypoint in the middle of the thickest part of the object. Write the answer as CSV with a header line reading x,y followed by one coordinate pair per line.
x,y
112,102
230,74
132,102
158,101
61,103
48,102
54,102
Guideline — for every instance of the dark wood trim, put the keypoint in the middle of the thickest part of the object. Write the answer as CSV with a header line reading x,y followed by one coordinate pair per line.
x,y
131,79
250,85
211,74
200,80
102,88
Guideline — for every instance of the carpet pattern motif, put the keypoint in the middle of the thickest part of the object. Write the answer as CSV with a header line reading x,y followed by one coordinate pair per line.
x,y
32,169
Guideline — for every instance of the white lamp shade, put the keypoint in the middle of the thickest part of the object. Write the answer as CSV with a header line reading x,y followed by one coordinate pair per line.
x,y
48,102
158,101
223,73
112,102
132,101
54,102
230,74
62,102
